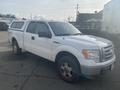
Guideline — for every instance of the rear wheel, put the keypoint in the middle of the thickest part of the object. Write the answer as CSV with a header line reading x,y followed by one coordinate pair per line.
x,y
69,68
15,48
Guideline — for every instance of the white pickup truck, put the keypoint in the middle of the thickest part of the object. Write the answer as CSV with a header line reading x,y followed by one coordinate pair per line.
x,y
74,53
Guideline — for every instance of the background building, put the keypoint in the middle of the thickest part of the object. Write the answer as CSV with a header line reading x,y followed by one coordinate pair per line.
x,y
89,23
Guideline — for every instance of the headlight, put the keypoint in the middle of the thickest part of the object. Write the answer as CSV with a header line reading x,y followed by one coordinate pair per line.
x,y
91,54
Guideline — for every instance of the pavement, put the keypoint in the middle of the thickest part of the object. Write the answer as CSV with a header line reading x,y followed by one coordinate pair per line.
x,y
30,72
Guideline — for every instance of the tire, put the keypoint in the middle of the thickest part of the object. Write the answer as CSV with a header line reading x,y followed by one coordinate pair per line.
x,y
68,68
15,48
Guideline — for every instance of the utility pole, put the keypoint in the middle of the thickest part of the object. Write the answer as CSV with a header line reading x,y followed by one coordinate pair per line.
x,y
77,10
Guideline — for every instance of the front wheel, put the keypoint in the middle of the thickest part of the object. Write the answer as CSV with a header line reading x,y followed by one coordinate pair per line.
x,y
15,48
69,68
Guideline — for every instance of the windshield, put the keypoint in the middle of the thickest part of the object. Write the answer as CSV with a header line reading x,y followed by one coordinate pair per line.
x,y
64,29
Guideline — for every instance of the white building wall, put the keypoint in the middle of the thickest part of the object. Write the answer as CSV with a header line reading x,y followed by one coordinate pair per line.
x,y
111,17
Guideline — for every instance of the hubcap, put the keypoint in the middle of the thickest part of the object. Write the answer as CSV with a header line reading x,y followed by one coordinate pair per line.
x,y
66,70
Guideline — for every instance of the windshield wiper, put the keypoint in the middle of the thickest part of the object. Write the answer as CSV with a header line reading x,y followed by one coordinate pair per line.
x,y
71,34
65,34
78,34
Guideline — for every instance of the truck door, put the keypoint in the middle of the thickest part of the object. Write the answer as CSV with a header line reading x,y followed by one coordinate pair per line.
x,y
36,41
43,40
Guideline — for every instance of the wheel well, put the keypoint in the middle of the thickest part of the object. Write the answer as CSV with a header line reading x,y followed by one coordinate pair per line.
x,y
13,39
60,54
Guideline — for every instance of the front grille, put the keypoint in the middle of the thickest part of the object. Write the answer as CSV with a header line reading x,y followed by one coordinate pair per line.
x,y
108,53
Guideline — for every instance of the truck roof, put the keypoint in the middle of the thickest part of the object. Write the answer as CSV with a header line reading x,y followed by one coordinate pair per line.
x,y
36,20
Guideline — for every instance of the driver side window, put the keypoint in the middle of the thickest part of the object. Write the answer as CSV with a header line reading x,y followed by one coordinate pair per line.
x,y
42,28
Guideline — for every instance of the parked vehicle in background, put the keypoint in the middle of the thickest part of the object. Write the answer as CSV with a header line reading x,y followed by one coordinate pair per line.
x,y
3,26
74,53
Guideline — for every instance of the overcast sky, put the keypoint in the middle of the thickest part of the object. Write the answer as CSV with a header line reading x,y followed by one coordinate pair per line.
x,y
58,9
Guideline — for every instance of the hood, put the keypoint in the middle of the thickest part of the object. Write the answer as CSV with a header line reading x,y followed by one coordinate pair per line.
x,y
101,42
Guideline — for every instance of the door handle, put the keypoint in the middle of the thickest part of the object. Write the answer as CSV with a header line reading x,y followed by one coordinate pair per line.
x,y
56,42
32,38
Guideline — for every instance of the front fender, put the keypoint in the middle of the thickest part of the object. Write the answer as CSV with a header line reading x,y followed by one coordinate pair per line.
x,y
69,49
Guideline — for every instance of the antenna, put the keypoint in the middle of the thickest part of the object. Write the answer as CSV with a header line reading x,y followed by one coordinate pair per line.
x,y
31,16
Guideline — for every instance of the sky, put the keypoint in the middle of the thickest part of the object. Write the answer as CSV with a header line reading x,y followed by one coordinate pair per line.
x,y
51,9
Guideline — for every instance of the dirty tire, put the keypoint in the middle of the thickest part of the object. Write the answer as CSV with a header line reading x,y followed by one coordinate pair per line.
x,y
68,68
15,48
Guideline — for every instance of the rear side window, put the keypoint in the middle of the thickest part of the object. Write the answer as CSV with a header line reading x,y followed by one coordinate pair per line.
x,y
17,25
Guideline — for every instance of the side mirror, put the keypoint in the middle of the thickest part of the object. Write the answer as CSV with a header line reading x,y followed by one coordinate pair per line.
x,y
44,34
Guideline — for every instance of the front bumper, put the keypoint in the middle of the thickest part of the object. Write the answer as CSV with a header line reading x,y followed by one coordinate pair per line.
x,y
97,68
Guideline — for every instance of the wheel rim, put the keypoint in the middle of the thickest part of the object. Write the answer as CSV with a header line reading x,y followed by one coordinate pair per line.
x,y
66,70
